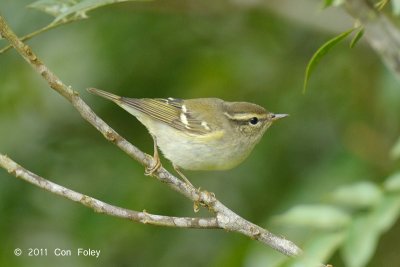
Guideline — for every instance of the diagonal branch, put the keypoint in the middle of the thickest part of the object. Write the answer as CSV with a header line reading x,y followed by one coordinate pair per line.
x,y
102,207
225,218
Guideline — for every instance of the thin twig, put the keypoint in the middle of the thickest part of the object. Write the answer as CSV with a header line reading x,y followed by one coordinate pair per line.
x,y
102,207
41,30
225,218
67,17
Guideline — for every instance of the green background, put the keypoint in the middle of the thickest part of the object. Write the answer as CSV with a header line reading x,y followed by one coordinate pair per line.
x,y
339,132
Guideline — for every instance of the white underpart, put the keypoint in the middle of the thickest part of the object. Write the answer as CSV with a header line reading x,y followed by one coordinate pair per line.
x,y
184,109
205,125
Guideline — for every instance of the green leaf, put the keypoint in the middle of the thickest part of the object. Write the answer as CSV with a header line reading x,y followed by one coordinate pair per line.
x,y
318,249
392,183
386,213
328,3
395,152
258,256
84,6
381,4
360,243
53,7
396,7
359,195
67,9
357,37
364,232
317,216
321,52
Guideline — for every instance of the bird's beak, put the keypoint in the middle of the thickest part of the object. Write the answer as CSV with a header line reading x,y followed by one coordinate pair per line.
x,y
279,116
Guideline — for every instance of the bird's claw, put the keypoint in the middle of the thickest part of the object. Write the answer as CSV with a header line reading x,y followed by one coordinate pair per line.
x,y
156,166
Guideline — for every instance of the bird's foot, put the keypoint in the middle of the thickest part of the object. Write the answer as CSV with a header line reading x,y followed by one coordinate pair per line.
x,y
156,166
156,160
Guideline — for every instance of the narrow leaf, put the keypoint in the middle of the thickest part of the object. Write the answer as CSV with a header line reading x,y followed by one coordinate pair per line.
x,y
53,7
386,213
357,37
365,231
396,7
395,152
258,256
358,195
381,4
327,3
84,6
316,216
360,243
317,249
392,183
320,53
64,9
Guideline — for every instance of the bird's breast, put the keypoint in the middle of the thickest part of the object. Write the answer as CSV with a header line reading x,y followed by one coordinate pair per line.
x,y
206,152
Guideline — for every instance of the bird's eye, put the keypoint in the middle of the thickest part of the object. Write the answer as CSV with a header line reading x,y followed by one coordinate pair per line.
x,y
253,121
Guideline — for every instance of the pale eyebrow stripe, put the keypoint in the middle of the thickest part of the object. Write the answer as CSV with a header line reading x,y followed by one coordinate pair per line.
x,y
245,116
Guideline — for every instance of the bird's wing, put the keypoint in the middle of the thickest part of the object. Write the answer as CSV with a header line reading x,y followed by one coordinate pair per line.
x,y
171,111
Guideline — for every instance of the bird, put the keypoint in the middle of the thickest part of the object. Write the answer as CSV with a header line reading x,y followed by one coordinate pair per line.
x,y
198,134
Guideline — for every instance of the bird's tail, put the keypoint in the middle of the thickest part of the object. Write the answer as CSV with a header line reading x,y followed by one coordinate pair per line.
x,y
105,94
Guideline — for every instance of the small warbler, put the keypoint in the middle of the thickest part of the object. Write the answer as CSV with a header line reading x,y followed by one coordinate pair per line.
x,y
198,134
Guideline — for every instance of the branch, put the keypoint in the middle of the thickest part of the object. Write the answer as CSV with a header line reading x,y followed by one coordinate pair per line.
x,y
102,207
380,32
224,217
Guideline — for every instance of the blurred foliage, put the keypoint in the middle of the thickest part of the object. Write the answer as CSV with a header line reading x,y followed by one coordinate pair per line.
x,y
353,220
318,177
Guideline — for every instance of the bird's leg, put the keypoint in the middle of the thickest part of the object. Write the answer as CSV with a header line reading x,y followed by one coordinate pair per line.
x,y
196,206
156,158
182,175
